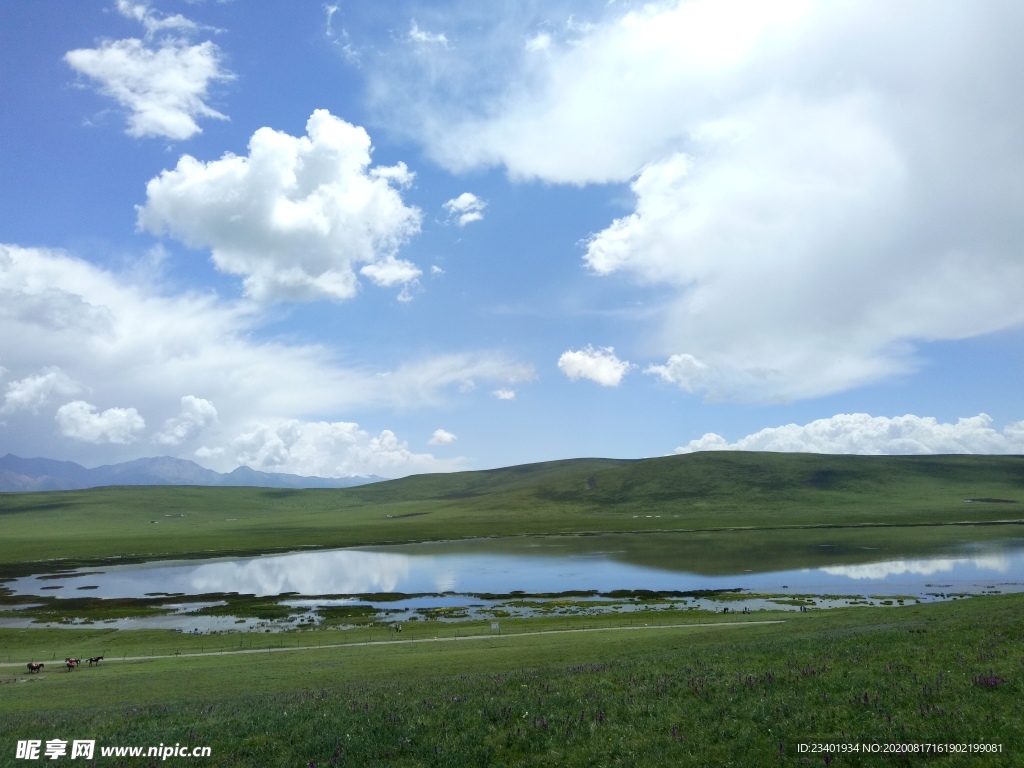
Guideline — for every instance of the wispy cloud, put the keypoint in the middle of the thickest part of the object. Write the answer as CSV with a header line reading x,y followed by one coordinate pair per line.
x,y
812,211
163,81
196,365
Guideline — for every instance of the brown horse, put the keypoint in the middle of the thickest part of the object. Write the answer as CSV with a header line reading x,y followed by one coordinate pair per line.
x,y
95,660
33,667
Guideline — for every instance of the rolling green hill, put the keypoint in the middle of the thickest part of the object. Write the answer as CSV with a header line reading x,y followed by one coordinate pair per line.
x,y
703,491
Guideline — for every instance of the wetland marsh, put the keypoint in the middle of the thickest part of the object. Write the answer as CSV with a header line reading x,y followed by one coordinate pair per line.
x,y
524,576
586,587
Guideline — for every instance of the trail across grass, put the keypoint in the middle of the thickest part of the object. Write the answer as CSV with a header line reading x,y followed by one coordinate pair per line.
x,y
939,673
405,641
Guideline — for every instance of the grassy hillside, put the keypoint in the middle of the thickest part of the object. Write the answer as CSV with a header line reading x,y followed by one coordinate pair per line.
x,y
704,491
742,484
610,695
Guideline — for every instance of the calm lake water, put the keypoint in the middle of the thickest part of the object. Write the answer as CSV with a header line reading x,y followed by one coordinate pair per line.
x,y
661,562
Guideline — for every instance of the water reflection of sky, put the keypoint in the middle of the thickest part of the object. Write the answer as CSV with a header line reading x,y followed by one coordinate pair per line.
x,y
354,571
997,564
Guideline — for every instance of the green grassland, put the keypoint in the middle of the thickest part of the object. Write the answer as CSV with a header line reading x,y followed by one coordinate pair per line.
x,y
661,686
698,492
743,694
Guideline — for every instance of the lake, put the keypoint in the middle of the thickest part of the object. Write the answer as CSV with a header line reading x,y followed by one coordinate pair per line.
x,y
819,563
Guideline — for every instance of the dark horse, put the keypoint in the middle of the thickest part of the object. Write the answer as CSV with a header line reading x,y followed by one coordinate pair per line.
x,y
95,660
33,667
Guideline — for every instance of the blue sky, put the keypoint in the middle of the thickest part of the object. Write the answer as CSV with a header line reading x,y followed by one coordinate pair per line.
x,y
354,238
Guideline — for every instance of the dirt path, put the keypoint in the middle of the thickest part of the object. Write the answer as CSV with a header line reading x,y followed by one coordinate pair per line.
x,y
114,659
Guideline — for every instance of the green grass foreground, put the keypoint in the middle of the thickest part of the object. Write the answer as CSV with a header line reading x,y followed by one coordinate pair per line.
x,y
544,692
674,696
697,492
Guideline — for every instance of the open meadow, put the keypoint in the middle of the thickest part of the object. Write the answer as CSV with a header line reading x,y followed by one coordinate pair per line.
x,y
659,685
257,258
682,694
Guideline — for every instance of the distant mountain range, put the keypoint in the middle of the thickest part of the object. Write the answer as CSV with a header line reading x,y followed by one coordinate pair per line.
x,y
18,474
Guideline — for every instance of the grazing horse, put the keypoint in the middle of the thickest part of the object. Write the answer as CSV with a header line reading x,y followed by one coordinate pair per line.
x,y
95,660
33,667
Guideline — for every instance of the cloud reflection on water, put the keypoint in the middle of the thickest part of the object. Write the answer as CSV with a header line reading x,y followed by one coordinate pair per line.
x,y
446,580
320,573
525,565
918,567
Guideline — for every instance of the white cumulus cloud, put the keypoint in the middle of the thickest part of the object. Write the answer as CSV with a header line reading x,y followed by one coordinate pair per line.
x,y
818,189
32,392
442,437
196,413
123,338
81,421
296,217
330,449
465,209
598,365
391,271
859,433
504,393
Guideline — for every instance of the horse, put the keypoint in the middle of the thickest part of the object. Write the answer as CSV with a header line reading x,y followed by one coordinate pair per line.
x,y
72,661
95,660
33,667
